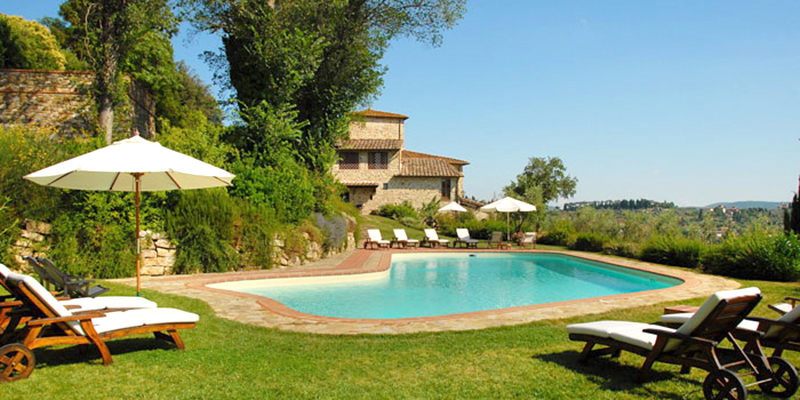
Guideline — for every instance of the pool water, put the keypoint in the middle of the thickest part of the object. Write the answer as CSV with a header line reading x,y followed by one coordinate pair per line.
x,y
425,284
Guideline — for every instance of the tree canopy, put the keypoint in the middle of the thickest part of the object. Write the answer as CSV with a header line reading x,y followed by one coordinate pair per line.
x,y
28,45
546,177
318,57
108,34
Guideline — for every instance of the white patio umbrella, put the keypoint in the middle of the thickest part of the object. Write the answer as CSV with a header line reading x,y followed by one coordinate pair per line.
x,y
453,206
508,205
132,165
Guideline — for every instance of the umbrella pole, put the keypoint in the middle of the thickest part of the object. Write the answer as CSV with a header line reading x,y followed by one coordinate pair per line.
x,y
138,247
508,232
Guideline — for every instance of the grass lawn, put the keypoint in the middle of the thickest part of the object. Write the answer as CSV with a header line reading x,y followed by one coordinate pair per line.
x,y
226,359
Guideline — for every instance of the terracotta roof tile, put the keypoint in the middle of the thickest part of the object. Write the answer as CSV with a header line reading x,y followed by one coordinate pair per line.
x,y
379,114
428,167
370,144
413,154
359,183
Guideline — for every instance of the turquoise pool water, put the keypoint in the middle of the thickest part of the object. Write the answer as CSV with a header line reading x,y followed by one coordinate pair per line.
x,y
425,284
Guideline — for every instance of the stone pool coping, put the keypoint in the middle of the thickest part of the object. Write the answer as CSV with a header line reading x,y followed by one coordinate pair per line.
x,y
263,311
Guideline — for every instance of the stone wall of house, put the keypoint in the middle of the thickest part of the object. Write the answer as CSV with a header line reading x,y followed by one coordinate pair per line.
x,y
61,99
378,128
417,190
365,174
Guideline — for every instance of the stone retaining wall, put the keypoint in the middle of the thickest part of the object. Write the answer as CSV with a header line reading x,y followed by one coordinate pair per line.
x,y
62,99
158,252
32,241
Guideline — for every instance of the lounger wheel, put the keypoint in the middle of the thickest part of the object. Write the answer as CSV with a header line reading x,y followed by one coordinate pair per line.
x,y
784,378
724,384
16,362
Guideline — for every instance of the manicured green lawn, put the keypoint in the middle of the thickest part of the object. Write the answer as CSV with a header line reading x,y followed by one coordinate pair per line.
x,y
226,359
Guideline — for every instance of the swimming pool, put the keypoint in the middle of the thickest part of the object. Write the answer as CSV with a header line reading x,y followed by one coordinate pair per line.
x,y
434,284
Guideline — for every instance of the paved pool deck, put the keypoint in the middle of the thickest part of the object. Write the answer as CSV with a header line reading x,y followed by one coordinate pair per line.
x,y
262,311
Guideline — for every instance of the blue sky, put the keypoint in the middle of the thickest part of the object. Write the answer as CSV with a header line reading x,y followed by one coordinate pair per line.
x,y
685,101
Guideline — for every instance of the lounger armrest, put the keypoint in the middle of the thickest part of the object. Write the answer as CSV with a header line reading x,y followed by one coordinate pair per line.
x,y
10,304
680,336
80,283
792,299
77,317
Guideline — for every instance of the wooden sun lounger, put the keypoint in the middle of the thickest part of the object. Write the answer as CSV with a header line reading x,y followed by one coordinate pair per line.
x,y
51,324
10,320
779,334
695,344
432,239
465,239
69,285
402,240
374,239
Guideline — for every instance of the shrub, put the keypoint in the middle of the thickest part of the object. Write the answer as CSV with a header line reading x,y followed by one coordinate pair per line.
x,y
294,243
589,242
8,230
621,248
95,237
558,232
28,45
284,187
756,255
673,250
201,225
334,230
398,211
254,230
26,149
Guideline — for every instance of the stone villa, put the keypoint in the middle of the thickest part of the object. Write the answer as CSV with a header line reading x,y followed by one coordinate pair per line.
x,y
378,170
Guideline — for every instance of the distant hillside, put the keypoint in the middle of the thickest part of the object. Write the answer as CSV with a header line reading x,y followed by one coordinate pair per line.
x,y
769,205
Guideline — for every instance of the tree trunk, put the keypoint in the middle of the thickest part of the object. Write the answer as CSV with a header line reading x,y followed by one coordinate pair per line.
x,y
107,76
107,117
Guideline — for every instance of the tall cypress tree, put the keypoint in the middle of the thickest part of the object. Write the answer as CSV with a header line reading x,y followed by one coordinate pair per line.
x,y
791,219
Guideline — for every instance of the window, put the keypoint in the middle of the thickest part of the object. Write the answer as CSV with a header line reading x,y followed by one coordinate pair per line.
x,y
348,160
379,160
446,188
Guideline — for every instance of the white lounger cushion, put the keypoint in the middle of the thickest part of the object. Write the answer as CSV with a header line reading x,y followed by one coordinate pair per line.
x,y
84,304
125,302
790,317
156,316
622,331
400,234
680,318
375,236
603,329
45,297
637,337
143,317
434,237
4,271
464,236
115,321
784,308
